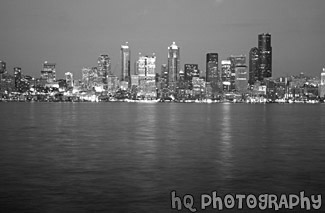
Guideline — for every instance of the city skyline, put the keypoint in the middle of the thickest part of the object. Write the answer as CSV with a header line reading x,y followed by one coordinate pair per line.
x,y
63,33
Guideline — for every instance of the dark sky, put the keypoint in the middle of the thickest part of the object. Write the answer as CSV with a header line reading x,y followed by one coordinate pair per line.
x,y
73,33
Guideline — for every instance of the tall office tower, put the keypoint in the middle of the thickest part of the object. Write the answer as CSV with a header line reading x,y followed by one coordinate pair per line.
x,y
212,73
238,70
17,75
241,75
190,71
125,64
146,66
48,73
265,55
226,74
69,79
254,66
173,64
103,67
3,67
241,81
322,84
147,74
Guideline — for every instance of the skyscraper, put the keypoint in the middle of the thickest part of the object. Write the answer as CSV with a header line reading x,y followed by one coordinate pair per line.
x,y
226,74
212,67
173,64
238,79
146,66
49,72
265,55
104,67
147,74
254,74
322,84
2,67
191,70
125,64
17,75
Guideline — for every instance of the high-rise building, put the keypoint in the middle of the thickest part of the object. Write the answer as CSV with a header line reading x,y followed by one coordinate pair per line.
x,y
17,75
69,79
212,67
49,72
226,74
173,64
265,55
254,74
238,70
103,67
322,84
146,66
3,67
147,74
125,63
190,71
241,81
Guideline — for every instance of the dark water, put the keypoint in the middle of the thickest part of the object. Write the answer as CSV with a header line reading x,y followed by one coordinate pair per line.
x,y
128,157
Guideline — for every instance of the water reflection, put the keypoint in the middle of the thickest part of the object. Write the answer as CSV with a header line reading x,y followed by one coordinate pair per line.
x,y
226,142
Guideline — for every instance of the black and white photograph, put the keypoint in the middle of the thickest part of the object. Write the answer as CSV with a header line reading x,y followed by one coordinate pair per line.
x,y
162,106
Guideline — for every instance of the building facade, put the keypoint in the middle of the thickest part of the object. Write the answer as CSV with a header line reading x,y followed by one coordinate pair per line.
x,y
226,74
265,55
3,67
254,74
212,69
17,75
190,71
104,67
49,72
147,76
69,79
322,85
173,64
241,81
125,63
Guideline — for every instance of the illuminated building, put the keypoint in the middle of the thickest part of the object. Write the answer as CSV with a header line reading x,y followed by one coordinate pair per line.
x,y
236,61
241,81
112,83
190,71
163,76
69,79
3,67
322,84
254,74
48,73
125,63
198,86
173,64
17,75
134,80
212,73
265,55
147,72
239,75
103,67
226,74
147,66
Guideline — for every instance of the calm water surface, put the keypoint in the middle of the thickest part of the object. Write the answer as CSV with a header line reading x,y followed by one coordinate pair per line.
x,y
128,157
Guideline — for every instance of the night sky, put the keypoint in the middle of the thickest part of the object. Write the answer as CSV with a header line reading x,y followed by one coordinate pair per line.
x,y
73,33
